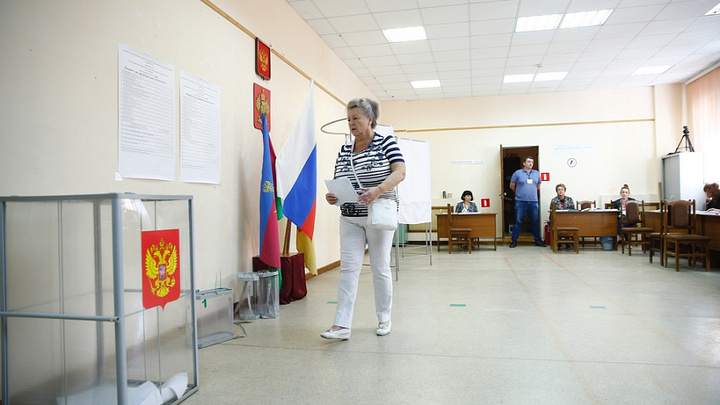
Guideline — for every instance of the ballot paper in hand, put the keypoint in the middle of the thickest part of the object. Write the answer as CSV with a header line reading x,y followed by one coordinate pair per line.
x,y
342,189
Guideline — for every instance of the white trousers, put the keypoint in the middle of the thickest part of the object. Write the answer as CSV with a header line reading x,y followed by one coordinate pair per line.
x,y
354,234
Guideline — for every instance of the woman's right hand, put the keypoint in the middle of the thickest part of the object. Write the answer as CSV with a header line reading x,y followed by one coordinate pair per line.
x,y
331,199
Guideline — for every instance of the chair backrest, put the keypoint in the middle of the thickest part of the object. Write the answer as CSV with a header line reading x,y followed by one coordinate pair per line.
x,y
679,216
450,211
632,213
583,204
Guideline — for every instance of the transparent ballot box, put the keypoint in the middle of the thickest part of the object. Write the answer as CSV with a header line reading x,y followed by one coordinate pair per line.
x,y
97,302
214,316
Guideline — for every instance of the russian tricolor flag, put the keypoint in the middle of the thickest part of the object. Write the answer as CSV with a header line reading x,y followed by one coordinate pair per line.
x,y
296,168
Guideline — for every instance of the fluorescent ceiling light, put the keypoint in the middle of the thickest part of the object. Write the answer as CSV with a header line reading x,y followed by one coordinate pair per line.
x,y
518,78
585,18
538,23
549,76
714,11
425,84
651,70
405,34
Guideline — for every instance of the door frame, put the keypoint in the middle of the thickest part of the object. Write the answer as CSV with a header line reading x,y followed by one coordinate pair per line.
x,y
506,194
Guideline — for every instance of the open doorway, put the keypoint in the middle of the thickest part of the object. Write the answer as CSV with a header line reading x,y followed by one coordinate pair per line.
x,y
510,161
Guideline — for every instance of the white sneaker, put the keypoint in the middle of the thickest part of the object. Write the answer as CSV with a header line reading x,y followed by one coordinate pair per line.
x,y
383,329
343,334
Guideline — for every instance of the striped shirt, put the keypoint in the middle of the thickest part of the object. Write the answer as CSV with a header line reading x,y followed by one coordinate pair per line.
x,y
372,166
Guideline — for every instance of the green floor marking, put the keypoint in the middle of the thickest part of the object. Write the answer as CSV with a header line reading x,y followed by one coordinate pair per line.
x,y
457,305
331,302
597,307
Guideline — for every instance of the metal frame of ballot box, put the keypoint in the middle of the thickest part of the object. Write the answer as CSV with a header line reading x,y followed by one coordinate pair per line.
x,y
71,282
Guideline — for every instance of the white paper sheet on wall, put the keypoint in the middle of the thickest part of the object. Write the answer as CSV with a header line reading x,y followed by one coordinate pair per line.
x,y
199,130
146,116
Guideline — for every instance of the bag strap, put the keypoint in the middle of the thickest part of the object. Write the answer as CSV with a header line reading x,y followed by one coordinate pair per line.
x,y
352,166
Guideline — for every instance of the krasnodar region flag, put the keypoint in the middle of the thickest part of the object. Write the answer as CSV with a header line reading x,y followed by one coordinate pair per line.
x,y
269,240
296,167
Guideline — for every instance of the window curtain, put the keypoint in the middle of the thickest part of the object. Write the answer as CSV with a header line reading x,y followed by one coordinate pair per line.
x,y
703,107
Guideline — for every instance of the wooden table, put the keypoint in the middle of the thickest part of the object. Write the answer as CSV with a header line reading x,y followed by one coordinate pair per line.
x,y
482,225
590,223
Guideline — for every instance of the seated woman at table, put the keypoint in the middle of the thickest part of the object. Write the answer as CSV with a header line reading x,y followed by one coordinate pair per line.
x,y
713,197
620,204
561,201
466,205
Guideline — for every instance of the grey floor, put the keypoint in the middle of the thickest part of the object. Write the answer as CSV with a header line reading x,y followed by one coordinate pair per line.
x,y
512,326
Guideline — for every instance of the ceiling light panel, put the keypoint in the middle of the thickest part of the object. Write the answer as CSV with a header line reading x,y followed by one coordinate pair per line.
x,y
714,11
585,18
405,34
538,23
425,84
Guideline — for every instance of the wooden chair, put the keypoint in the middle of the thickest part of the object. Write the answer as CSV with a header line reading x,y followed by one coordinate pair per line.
x,y
680,241
633,229
585,204
655,239
563,235
459,236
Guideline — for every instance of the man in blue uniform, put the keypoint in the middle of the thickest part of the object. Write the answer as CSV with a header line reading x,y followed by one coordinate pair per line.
x,y
525,183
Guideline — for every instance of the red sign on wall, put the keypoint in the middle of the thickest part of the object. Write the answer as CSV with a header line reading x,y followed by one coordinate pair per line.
x,y
485,202
160,267
545,176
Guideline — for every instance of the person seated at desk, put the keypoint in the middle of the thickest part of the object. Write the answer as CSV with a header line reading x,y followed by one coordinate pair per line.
x,y
466,205
561,201
620,204
713,197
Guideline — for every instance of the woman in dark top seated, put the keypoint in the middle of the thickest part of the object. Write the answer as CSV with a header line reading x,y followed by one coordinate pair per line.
x,y
620,203
561,201
466,205
713,197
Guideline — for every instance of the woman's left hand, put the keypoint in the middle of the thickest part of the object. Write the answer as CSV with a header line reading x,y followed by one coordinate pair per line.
x,y
369,195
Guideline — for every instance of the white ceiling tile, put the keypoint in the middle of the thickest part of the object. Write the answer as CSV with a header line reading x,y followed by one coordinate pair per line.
x,y
333,8
401,48
364,22
445,14
503,26
489,41
321,26
364,38
447,30
379,6
399,19
493,10
472,43
372,50
306,9
415,58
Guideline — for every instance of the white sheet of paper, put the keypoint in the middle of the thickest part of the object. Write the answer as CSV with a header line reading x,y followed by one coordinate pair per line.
x,y
343,190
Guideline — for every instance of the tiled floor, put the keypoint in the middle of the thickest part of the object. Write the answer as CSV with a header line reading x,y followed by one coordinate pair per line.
x,y
512,326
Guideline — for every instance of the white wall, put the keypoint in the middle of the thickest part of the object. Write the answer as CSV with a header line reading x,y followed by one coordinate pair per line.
x,y
59,110
613,135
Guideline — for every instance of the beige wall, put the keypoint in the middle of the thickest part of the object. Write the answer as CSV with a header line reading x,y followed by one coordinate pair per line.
x,y
616,137
60,114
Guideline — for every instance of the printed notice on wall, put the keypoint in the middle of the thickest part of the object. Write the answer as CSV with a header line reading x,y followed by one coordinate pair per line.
x,y
146,122
199,130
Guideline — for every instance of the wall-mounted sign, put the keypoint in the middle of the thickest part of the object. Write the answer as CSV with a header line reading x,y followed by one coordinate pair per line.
x,y
545,176
262,59
485,202
261,104
572,162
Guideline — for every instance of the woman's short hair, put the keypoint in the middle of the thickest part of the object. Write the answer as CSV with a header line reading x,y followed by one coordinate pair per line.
x,y
467,192
713,188
560,185
369,107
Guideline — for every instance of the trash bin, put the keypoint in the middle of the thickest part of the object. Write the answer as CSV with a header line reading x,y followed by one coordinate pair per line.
x,y
607,242
248,300
268,294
